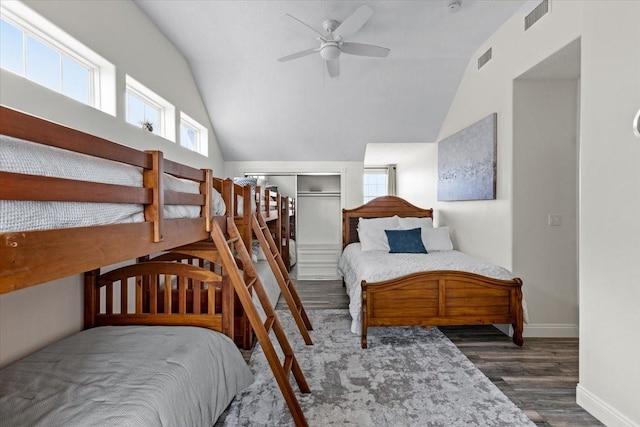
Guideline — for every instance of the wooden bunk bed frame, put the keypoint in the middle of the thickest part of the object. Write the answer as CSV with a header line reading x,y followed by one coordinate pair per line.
x,y
432,298
248,202
26,258
201,297
288,227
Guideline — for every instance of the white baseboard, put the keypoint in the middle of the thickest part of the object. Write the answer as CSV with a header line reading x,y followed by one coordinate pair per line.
x,y
315,276
601,410
550,330
543,330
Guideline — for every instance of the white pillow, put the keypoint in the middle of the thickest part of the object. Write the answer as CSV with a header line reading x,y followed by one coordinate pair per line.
x,y
371,232
408,223
437,239
424,224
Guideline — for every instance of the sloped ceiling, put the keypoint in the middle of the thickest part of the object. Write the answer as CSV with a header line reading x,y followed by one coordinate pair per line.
x,y
262,109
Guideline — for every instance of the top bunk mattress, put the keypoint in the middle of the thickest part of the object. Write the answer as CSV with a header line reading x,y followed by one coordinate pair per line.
x,y
125,375
24,157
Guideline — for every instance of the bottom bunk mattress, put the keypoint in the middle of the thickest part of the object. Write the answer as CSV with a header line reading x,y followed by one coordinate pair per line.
x,y
125,375
357,265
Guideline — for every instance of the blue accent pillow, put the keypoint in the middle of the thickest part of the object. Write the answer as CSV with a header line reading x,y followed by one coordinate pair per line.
x,y
405,241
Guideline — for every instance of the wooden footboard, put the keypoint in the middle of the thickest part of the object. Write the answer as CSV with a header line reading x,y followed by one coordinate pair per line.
x,y
442,298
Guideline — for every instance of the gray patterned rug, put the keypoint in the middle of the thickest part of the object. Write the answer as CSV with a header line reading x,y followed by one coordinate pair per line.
x,y
407,377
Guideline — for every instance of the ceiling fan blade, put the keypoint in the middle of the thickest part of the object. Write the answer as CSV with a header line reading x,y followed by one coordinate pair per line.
x,y
354,22
299,54
362,49
333,67
322,36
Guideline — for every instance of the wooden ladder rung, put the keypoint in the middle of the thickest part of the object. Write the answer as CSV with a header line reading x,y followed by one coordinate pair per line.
x,y
268,324
288,364
252,281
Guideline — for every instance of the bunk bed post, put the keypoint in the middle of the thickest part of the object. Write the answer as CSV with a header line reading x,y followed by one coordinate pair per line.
x,y
285,227
206,189
153,179
90,298
227,195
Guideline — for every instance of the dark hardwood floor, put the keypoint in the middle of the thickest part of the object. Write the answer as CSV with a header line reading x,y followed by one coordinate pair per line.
x,y
539,377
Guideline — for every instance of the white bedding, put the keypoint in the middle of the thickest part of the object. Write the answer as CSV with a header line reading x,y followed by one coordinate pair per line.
x,y
125,375
293,253
25,157
374,266
270,284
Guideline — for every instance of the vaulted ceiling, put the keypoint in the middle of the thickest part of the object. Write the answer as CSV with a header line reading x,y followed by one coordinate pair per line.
x,y
262,109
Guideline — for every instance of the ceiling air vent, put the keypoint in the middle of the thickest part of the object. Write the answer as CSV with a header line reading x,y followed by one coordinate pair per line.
x,y
484,58
537,13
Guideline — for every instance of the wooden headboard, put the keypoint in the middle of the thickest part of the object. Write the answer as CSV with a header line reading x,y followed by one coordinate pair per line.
x,y
377,208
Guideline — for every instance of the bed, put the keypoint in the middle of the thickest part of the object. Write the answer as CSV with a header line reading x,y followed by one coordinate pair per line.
x,y
251,196
133,365
167,207
87,217
458,290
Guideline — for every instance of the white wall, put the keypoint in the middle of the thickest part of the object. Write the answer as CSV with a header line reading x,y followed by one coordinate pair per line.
x,y
609,210
545,181
122,34
416,169
609,183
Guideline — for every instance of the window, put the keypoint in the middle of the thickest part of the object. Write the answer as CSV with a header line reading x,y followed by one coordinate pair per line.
x,y
33,48
149,111
193,135
378,181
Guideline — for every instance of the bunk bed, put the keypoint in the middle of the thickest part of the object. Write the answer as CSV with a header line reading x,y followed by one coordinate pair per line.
x,y
250,198
90,217
288,226
467,291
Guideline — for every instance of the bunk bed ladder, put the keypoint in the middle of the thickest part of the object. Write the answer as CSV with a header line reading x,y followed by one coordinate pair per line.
x,y
243,287
287,287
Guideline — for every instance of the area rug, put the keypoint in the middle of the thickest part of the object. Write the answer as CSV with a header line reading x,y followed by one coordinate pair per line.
x,y
407,377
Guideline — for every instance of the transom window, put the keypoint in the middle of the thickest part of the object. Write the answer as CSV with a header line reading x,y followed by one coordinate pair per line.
x,y
193,135
148,111
33,48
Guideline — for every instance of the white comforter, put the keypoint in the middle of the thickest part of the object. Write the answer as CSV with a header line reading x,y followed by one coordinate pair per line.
x,y
374,266
26,157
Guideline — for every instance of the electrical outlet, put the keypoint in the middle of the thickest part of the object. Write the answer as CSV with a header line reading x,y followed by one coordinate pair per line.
x,y
554,219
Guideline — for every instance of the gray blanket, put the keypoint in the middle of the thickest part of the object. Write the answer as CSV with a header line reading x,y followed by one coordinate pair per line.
x,y
125,376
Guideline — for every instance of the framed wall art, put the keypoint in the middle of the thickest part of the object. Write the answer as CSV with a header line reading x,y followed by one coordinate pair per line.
x,y
467,162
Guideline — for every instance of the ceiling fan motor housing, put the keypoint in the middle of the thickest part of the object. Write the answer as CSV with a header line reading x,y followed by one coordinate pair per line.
x,y
330,50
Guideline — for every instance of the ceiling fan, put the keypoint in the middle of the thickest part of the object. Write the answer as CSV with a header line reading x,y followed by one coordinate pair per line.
x,y
333,43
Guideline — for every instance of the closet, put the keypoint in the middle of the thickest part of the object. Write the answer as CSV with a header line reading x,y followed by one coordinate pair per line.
x,y
318,226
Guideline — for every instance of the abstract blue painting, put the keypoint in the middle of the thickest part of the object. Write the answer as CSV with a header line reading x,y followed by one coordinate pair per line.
x,y
467,162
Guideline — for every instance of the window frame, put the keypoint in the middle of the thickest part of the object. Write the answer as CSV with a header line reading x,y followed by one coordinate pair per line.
x,y
389,172
201,132
166,128
101,72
